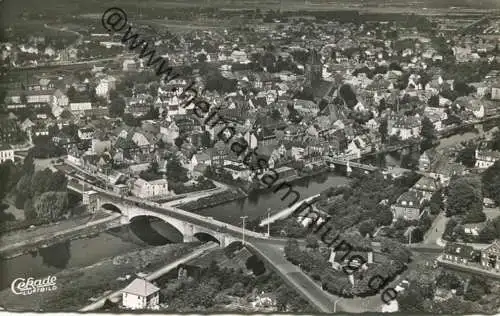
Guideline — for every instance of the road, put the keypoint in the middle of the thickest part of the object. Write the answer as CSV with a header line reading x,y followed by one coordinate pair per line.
x,y
310,289
270,250
434,234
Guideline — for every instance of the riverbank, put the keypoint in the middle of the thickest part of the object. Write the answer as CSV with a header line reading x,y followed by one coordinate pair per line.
x,y
115,296
79,286
20,242
214,200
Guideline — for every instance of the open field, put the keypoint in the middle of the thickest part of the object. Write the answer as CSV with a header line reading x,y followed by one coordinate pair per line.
x,y
64,10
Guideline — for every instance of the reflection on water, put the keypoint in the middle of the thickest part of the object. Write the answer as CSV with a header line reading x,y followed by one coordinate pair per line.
x,y
68,254
57,255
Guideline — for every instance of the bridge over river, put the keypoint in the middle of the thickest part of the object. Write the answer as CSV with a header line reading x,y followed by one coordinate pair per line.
x,y
192,226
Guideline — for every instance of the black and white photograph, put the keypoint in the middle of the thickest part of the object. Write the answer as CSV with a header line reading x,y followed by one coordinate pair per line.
x,y
250,157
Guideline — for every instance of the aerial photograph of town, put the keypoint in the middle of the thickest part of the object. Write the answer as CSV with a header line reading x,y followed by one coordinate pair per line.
x,y
250,156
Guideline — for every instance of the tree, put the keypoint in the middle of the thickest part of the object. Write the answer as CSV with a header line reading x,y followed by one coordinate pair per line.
x,y
495,144
283,298
238,289
206,141
382,105
382,129
462,88
428,134
29,164
175,171
130,120
410,301
434,100
312,241
40,181
29,210
395,250
464,196
8,174
436,202
409,161
117,107
366,227
491,231
153,89
475,217
478,287
57,182
23,190
347,93
179,141
51,205
276,115
467,156
201,58
491,182
291,249
384,217
448,230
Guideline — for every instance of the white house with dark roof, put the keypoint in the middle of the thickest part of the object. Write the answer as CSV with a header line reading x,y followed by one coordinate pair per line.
x,y
141,294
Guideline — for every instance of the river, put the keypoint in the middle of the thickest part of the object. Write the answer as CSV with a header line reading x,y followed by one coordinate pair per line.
x,y
84,252
256,205
68,254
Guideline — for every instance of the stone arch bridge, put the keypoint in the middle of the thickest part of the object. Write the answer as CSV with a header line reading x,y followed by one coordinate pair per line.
x,y
188,229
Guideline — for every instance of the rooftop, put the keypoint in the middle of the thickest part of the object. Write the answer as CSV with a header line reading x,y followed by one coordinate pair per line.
x,y
141,287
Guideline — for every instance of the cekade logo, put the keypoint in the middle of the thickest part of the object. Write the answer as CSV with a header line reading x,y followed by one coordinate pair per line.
x,y
22,286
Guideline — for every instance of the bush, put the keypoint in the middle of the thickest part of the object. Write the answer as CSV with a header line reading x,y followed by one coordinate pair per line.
x,y
475,217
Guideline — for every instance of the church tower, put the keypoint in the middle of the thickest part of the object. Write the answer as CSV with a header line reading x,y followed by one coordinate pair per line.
x,y
313,68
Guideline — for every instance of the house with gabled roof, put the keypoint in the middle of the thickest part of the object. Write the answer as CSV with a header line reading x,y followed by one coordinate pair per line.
x,y
141,294
408,205
459,253
490,256
426,159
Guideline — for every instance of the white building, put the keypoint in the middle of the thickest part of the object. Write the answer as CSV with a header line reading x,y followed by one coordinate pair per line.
x,y
146,189
6,153
104,86
141,294
79,108
486,159
86,133
102,89
129,65
405,126
239,57
91,200
60,99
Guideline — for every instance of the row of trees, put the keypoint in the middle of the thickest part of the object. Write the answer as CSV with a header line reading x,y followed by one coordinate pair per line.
x,y
419,298
465,197
206,290
361,202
